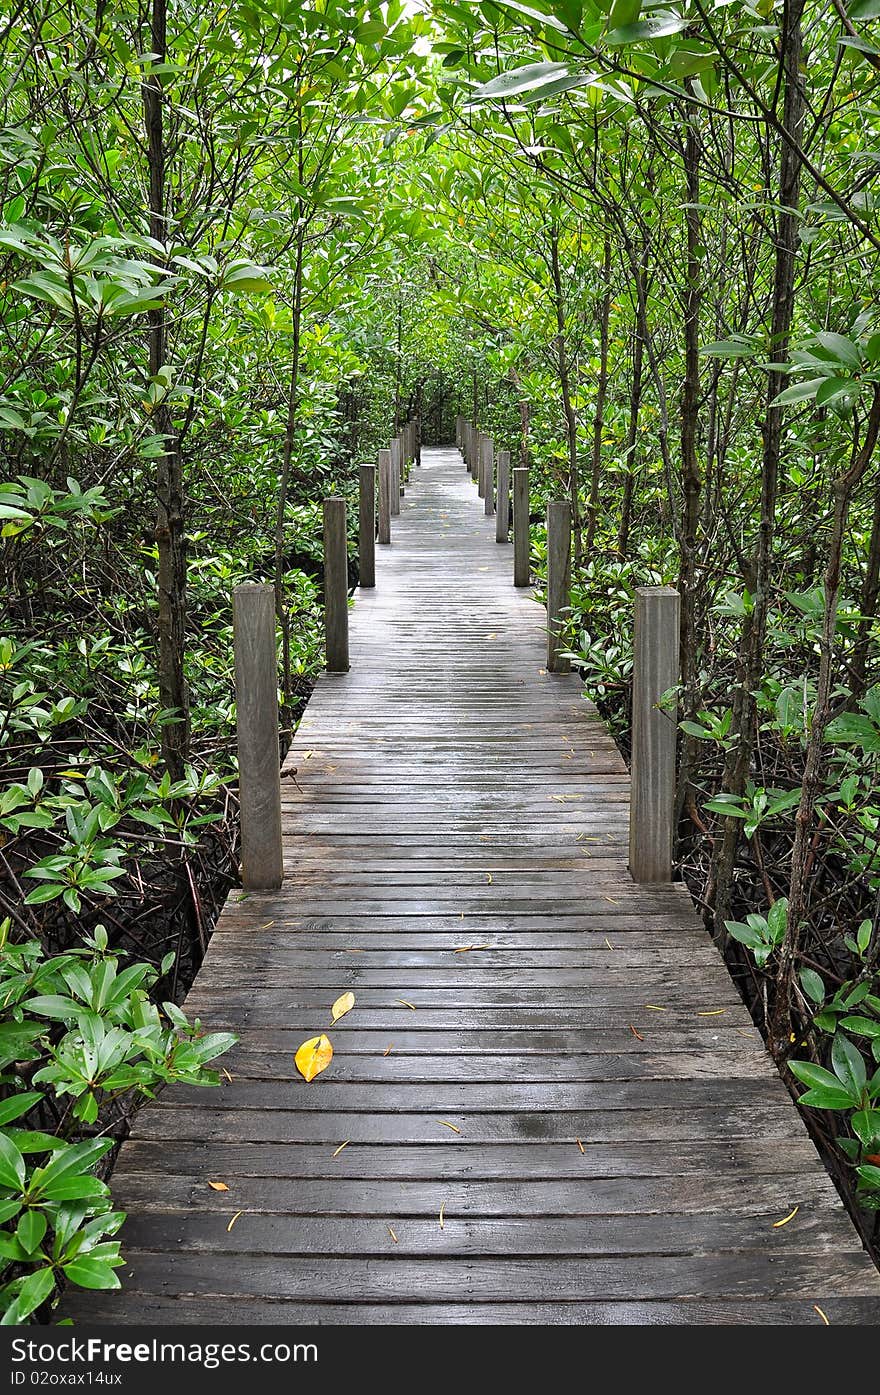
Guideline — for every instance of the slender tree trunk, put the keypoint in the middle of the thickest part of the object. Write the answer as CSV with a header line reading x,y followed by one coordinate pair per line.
x,y
691,481
287,458
398,368
842,491
169,530
632,435
870,594
601,391
751,650
565,387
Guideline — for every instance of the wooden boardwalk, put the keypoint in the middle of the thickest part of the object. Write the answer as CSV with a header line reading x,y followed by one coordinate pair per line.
x,y
555,1107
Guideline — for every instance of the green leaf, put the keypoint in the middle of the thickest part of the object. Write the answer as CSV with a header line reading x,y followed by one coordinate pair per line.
x,y
16,1105
849,1066
12,1166
869,1174
811,1074
91,1273
840,348
525,79
30,1230
827,1099
812,985
655,28
866,1126
862,1026
30,1292
799,393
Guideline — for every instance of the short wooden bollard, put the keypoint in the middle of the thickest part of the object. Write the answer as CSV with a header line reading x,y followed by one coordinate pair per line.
x,y
655,671
384,496
558,581
367,525
259,763
335,586
476,437
488,476
502,516
521,539
396,482
417,437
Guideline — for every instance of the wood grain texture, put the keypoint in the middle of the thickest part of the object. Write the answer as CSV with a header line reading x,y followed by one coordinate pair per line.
x,y
367,525
521,541
554,1055
655,671
502,505
384,497
256,698
336,585
558,582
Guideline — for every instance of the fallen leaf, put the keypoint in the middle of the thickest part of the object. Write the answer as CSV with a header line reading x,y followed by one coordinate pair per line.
x,y
218,1186
785,1219
635,1033
234,1219
266,926
349,949
817,1309
712,1012
580,1145
393,1236
447,1125
611,901
412,1006
442,1209
489,878
225,1072
341,1146
609,944
542,671
342,1006
313,1056
387,1051
465,949
655,1008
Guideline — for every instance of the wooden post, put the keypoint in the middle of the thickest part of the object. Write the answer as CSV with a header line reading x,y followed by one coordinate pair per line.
x,y
655,671
417,437
367,526
521,540
384,496
476,437
489,475
396,486
259,764
558,581
336,586
481,465
502,517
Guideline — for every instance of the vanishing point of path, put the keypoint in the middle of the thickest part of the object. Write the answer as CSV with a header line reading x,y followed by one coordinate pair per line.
x,y
554,1105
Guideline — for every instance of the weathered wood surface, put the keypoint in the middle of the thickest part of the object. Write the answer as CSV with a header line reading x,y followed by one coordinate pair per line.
x,y
256,693
456,839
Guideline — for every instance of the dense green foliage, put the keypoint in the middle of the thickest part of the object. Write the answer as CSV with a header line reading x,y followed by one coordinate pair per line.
x,y
239,245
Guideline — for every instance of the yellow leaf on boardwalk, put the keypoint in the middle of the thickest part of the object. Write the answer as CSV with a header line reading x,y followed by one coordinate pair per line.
x,y
785,1219
218,1186
313,1056
342,1006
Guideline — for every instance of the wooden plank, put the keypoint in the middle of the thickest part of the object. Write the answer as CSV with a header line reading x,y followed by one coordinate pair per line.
x,y
760,1311
742,1274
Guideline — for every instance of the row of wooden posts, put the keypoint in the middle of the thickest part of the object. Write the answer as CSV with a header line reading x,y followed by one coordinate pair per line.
x,y
505,495
256,655
655,648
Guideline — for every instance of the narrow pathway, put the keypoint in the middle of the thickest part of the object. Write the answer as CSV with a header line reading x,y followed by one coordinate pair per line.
x,y
554,1106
